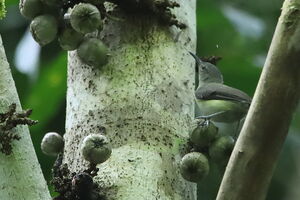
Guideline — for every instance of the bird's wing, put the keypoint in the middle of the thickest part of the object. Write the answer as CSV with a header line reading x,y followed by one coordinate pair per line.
x,y
216,91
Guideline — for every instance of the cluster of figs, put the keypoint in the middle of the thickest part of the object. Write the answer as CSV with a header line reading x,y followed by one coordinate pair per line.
x,y
95,148
70,21
207,145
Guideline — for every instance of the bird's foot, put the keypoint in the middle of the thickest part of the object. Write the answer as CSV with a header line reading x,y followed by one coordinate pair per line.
x,y
206,118
203,121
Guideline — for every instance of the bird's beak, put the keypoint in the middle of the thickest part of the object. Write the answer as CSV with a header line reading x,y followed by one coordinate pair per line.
x,y
198,60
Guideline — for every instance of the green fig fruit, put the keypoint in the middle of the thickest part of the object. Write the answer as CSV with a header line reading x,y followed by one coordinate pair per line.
x,y
194,167
93,52
69,39
204,134
95,2
221,149
30,8
44,29
52,2
52,144
96,148
85,18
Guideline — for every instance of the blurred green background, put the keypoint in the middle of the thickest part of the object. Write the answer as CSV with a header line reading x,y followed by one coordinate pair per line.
x,y
238,31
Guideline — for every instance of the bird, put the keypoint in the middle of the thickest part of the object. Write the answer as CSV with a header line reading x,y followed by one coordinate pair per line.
x,y
216,101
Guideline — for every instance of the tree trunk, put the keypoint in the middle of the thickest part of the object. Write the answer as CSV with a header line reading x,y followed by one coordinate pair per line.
x,y
142,100
21,177
255,154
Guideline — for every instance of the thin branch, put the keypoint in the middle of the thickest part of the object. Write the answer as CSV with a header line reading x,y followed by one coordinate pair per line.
x,y
254,157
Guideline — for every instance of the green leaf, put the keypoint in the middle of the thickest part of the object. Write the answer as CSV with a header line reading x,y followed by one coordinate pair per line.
x,y
2,9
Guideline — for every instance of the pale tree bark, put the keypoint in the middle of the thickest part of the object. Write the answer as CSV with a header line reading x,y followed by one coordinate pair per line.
x,y
144,99
254,157
21,177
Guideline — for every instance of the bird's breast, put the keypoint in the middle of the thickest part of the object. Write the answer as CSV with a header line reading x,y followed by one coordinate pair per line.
x,y
232,110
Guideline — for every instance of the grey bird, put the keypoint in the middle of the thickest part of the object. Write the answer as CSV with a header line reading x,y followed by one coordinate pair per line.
x,y
216,101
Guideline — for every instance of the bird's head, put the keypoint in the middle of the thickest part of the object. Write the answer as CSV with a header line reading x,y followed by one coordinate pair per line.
x,y
208,73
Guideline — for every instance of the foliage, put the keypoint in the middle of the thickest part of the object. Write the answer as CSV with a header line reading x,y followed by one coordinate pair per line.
x,y
2,9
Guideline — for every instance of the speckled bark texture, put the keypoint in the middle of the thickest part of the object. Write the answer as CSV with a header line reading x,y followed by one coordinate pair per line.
x,y
254,157
21,177
142,100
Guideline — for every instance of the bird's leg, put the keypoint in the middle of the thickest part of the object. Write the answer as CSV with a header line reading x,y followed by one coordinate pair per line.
x,y
203,122
208,117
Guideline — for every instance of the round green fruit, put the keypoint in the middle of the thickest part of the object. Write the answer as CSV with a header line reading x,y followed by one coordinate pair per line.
x,y
52,144
85,18
30,8
93,52
95,2
194,167
221,149
52,2
204,134
44,29
69,39
96,148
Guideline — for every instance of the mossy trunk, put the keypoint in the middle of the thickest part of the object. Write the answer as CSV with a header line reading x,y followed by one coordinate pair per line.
x,y
142,100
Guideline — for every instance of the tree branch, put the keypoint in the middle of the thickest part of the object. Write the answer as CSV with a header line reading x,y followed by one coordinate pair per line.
x,y
21,177
254,157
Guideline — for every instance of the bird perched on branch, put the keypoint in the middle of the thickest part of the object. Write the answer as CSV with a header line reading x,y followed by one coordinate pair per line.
x,y
216,101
